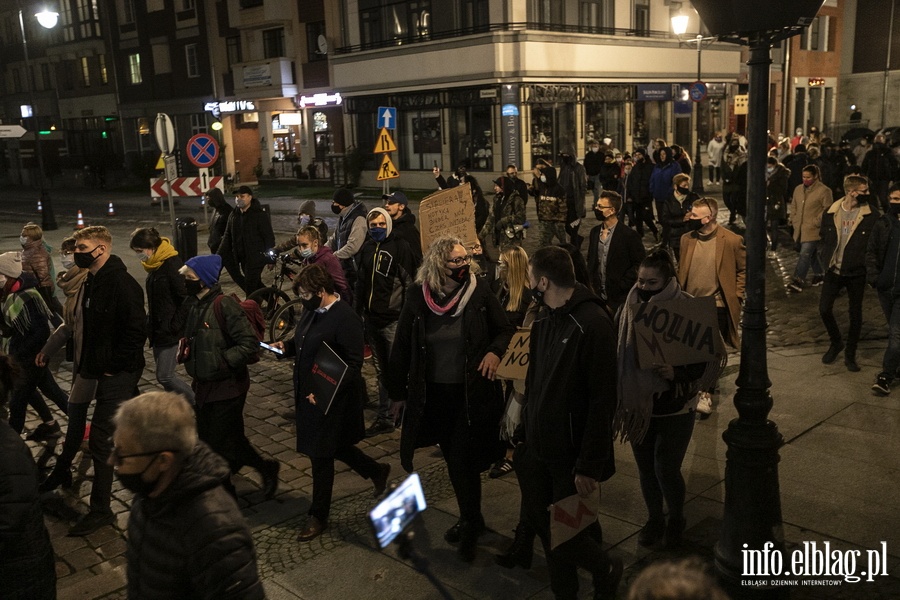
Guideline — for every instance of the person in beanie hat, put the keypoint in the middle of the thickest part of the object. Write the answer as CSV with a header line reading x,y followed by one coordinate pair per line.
x,y
404,222
350,233
221,343
306,213
248,235
25,327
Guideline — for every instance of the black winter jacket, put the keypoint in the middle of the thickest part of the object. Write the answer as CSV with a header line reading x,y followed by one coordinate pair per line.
x,y
592,163
883,255
486,329
165,298
191,542
638,184
570,390
404,228
114,322
386,269
247,237
853,262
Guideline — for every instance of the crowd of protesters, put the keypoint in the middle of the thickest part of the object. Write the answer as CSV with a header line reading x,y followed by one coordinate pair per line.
x,y
437,321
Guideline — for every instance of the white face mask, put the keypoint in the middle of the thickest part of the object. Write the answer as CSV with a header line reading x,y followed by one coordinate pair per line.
x,y
23,240
543,179
68,262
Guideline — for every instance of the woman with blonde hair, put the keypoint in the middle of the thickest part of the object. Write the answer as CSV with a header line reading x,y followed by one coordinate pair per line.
x,y
450,337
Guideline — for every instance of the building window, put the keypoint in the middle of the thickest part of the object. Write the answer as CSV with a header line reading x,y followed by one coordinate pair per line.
x,y
104,75
198,123
128,11
67,25
45,76
313,31
273,43
598,14
134,69
642,17
85,72
89,18
188,4
17,81
421,141
547,12
233,49
190,57
815,37
475,14
370,26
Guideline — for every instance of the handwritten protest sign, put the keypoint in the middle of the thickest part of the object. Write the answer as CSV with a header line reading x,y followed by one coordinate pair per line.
x,y
448,212
514,364
676,332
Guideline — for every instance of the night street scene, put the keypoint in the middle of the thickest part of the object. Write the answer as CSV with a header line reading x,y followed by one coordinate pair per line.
x,y
518,299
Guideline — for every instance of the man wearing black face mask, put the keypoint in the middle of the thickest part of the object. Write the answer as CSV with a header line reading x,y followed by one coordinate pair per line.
x,y
883,274
614,252
186,535
845,231
676,211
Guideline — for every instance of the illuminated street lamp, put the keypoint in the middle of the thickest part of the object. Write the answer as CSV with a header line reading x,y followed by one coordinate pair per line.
x,y
47,19
679,28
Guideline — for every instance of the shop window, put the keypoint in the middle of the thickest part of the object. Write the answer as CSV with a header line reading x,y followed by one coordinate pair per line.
x,y
365,139
471,138
605,119
420,146
642,17
649,122
597,14
273,43
322,133
552,130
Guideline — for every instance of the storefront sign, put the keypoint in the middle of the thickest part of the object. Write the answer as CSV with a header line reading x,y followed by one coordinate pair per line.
x,y
257,75
234,106
510,133
647,92
491,93
319,100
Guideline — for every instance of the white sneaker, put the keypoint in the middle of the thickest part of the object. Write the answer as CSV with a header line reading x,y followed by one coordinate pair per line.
x,y
704,403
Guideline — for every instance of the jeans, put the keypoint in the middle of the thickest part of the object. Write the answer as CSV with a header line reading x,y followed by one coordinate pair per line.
x,y
221,425
831,288
598,187
112,391
380,340
809,257
25,393
80,398
541,485
323,476
890,304
715,173
659,457
551,229
165,357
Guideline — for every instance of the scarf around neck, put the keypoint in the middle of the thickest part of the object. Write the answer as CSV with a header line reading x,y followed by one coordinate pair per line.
x,y
458,299
165,251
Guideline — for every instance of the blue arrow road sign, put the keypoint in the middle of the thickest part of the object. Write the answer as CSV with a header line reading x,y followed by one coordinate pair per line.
x,y
387,117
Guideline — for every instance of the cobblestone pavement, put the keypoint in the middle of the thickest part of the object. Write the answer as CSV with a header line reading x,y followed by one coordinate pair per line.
x,y
93,566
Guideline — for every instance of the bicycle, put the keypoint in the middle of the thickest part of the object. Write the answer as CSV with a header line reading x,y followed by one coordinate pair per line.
x,y
271,298
284,321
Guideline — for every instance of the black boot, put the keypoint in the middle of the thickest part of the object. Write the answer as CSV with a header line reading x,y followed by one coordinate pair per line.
x,y
57,477
521,552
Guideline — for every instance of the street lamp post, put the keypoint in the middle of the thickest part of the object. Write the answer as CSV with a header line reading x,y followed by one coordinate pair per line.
x,y
679,28
47,19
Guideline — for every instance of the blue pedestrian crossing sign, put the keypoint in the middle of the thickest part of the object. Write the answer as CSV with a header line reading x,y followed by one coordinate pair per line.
x,y
387,117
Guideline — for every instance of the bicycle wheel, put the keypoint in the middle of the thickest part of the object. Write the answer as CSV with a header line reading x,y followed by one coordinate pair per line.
x,y
270,299
284,322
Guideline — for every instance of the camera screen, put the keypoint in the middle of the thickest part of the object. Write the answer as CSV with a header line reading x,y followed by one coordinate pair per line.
x,y
394,514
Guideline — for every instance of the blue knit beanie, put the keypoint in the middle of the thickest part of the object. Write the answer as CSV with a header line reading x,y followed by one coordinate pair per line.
x,y
207,268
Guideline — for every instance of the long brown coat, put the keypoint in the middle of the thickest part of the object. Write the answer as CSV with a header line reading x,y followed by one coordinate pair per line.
x,y
731,262
808,204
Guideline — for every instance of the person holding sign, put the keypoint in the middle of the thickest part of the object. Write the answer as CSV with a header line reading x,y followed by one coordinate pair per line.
x,y
657,405
328,429
450,337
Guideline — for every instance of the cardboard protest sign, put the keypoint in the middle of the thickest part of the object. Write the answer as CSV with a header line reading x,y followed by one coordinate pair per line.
x,y
448,212
514,363
676,332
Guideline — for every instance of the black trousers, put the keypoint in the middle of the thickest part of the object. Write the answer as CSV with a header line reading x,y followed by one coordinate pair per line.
x,y
831,289
543,484
323,476
221,425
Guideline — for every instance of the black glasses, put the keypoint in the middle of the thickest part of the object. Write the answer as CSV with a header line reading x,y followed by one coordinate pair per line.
x,y
603,207
460,260
117,459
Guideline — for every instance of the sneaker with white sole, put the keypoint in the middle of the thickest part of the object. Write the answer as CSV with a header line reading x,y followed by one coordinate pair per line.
x,y
882,385
795,285
704,404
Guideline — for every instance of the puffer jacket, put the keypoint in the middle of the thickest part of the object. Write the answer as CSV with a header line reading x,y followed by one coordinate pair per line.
x,y
217,355
386,269
191,541
36,260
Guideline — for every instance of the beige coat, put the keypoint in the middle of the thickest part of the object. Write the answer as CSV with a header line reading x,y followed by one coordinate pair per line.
x,y
731,264
808,204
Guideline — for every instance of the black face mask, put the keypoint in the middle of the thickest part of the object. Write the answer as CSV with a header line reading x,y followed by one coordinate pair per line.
x,y
894,208
193,286
336,208
459,274
599,214
862,199
134,482
694,224
645,295
683,190
312,303
84,260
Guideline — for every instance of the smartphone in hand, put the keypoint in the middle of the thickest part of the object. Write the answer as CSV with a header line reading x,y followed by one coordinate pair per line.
x,y
271,348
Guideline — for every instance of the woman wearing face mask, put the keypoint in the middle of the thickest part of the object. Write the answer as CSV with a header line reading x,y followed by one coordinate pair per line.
x,y
327,319
656,406
450,337
165,297
505,222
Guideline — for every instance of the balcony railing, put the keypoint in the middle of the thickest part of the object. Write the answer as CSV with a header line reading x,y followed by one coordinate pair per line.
x,y
527,26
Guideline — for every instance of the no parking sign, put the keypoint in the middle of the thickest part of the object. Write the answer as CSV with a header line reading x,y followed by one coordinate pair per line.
x,y
202,150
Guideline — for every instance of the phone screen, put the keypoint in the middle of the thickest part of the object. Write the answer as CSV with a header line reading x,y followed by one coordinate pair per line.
x,y
393,515
271,348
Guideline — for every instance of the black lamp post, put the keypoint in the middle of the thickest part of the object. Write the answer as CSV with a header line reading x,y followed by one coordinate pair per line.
x,y
752,515
47,19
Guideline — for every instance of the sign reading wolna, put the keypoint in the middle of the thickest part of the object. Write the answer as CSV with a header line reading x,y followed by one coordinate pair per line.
x,y
320,100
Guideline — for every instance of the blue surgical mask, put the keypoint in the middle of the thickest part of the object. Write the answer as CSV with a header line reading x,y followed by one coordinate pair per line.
x,y
379,234
306,253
